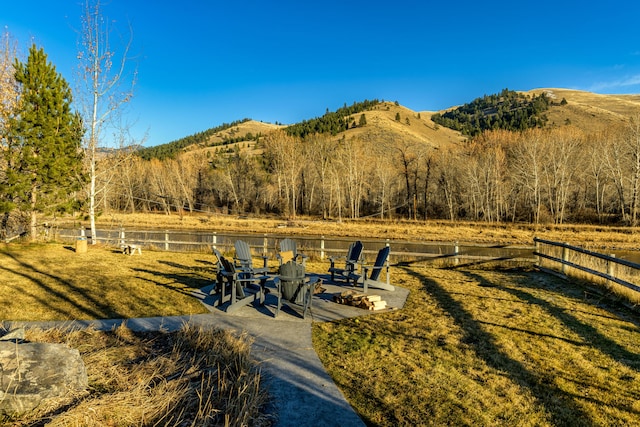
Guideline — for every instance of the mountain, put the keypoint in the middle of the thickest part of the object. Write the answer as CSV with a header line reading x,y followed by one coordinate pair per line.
x,y
390,120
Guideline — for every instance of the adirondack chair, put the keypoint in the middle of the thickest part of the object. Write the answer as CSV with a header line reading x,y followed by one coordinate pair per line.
x,y
289,251
351,262
219,266
238,288
294,288
373,280
244,261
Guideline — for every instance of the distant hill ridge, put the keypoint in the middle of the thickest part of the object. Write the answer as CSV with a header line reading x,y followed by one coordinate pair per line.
x,y
509,110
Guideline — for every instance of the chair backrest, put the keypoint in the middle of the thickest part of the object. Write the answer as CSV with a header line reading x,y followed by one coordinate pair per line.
x,y
289,245
291,280
227,265
355,250
381,259
243,252
291,271
218,255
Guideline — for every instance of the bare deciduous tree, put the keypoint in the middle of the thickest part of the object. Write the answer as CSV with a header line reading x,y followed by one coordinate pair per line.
x,y
285,155
526,159
563,153
613,155
632,142
106,87
321,154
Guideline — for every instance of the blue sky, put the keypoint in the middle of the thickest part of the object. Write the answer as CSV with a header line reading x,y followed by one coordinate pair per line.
x,y
204,63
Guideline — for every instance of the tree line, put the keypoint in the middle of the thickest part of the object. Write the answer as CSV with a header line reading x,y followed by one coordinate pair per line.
x,y
554,175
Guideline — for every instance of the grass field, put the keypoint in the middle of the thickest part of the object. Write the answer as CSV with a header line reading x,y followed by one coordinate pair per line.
x,y
471,347
52,282
488,348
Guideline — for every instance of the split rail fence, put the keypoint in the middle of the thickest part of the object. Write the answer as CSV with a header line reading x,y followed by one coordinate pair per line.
x,y
548,255
608,267
318,246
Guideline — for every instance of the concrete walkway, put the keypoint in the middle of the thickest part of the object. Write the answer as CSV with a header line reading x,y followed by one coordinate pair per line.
x,y
303,392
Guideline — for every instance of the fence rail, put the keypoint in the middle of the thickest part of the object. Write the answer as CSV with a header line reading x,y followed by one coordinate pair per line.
x,y
608,267
321,246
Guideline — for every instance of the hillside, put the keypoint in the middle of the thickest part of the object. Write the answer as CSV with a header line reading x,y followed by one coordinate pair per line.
x,y
589,111
382,123
243,134
388,120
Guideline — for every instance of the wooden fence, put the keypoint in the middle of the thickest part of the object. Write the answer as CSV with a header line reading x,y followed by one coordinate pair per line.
x,y
607,267
318,246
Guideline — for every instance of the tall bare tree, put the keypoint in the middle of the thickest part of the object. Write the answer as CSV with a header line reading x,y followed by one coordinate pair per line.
x,y
596,169
408,154
321,155
613,156
8,84
632,142
564,153
106,87
526,160
285,157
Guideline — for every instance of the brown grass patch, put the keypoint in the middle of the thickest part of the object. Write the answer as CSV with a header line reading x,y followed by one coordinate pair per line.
x,y
52,282
191,377
488,348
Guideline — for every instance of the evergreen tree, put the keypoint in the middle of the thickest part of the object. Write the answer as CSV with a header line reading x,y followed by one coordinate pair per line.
x,y
363,120
44,150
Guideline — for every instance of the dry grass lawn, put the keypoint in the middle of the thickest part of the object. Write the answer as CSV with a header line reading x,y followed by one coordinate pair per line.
x,y
488,348
471,347
52,282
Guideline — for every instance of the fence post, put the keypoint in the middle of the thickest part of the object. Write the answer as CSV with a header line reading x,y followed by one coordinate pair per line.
x,y
611,267
456,252
265,245
166,240
321,247
565,258
536,252
122,237
81,231
215,240
388,278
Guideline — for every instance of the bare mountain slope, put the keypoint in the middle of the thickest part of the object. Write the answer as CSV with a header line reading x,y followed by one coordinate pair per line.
x,y
388,120
590,111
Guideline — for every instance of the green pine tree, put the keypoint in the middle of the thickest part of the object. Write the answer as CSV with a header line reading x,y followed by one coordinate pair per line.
x,y
44,152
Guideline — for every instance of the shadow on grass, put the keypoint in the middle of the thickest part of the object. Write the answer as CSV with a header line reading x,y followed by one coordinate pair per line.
x,y
559,404
85,302
184,283
589,334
